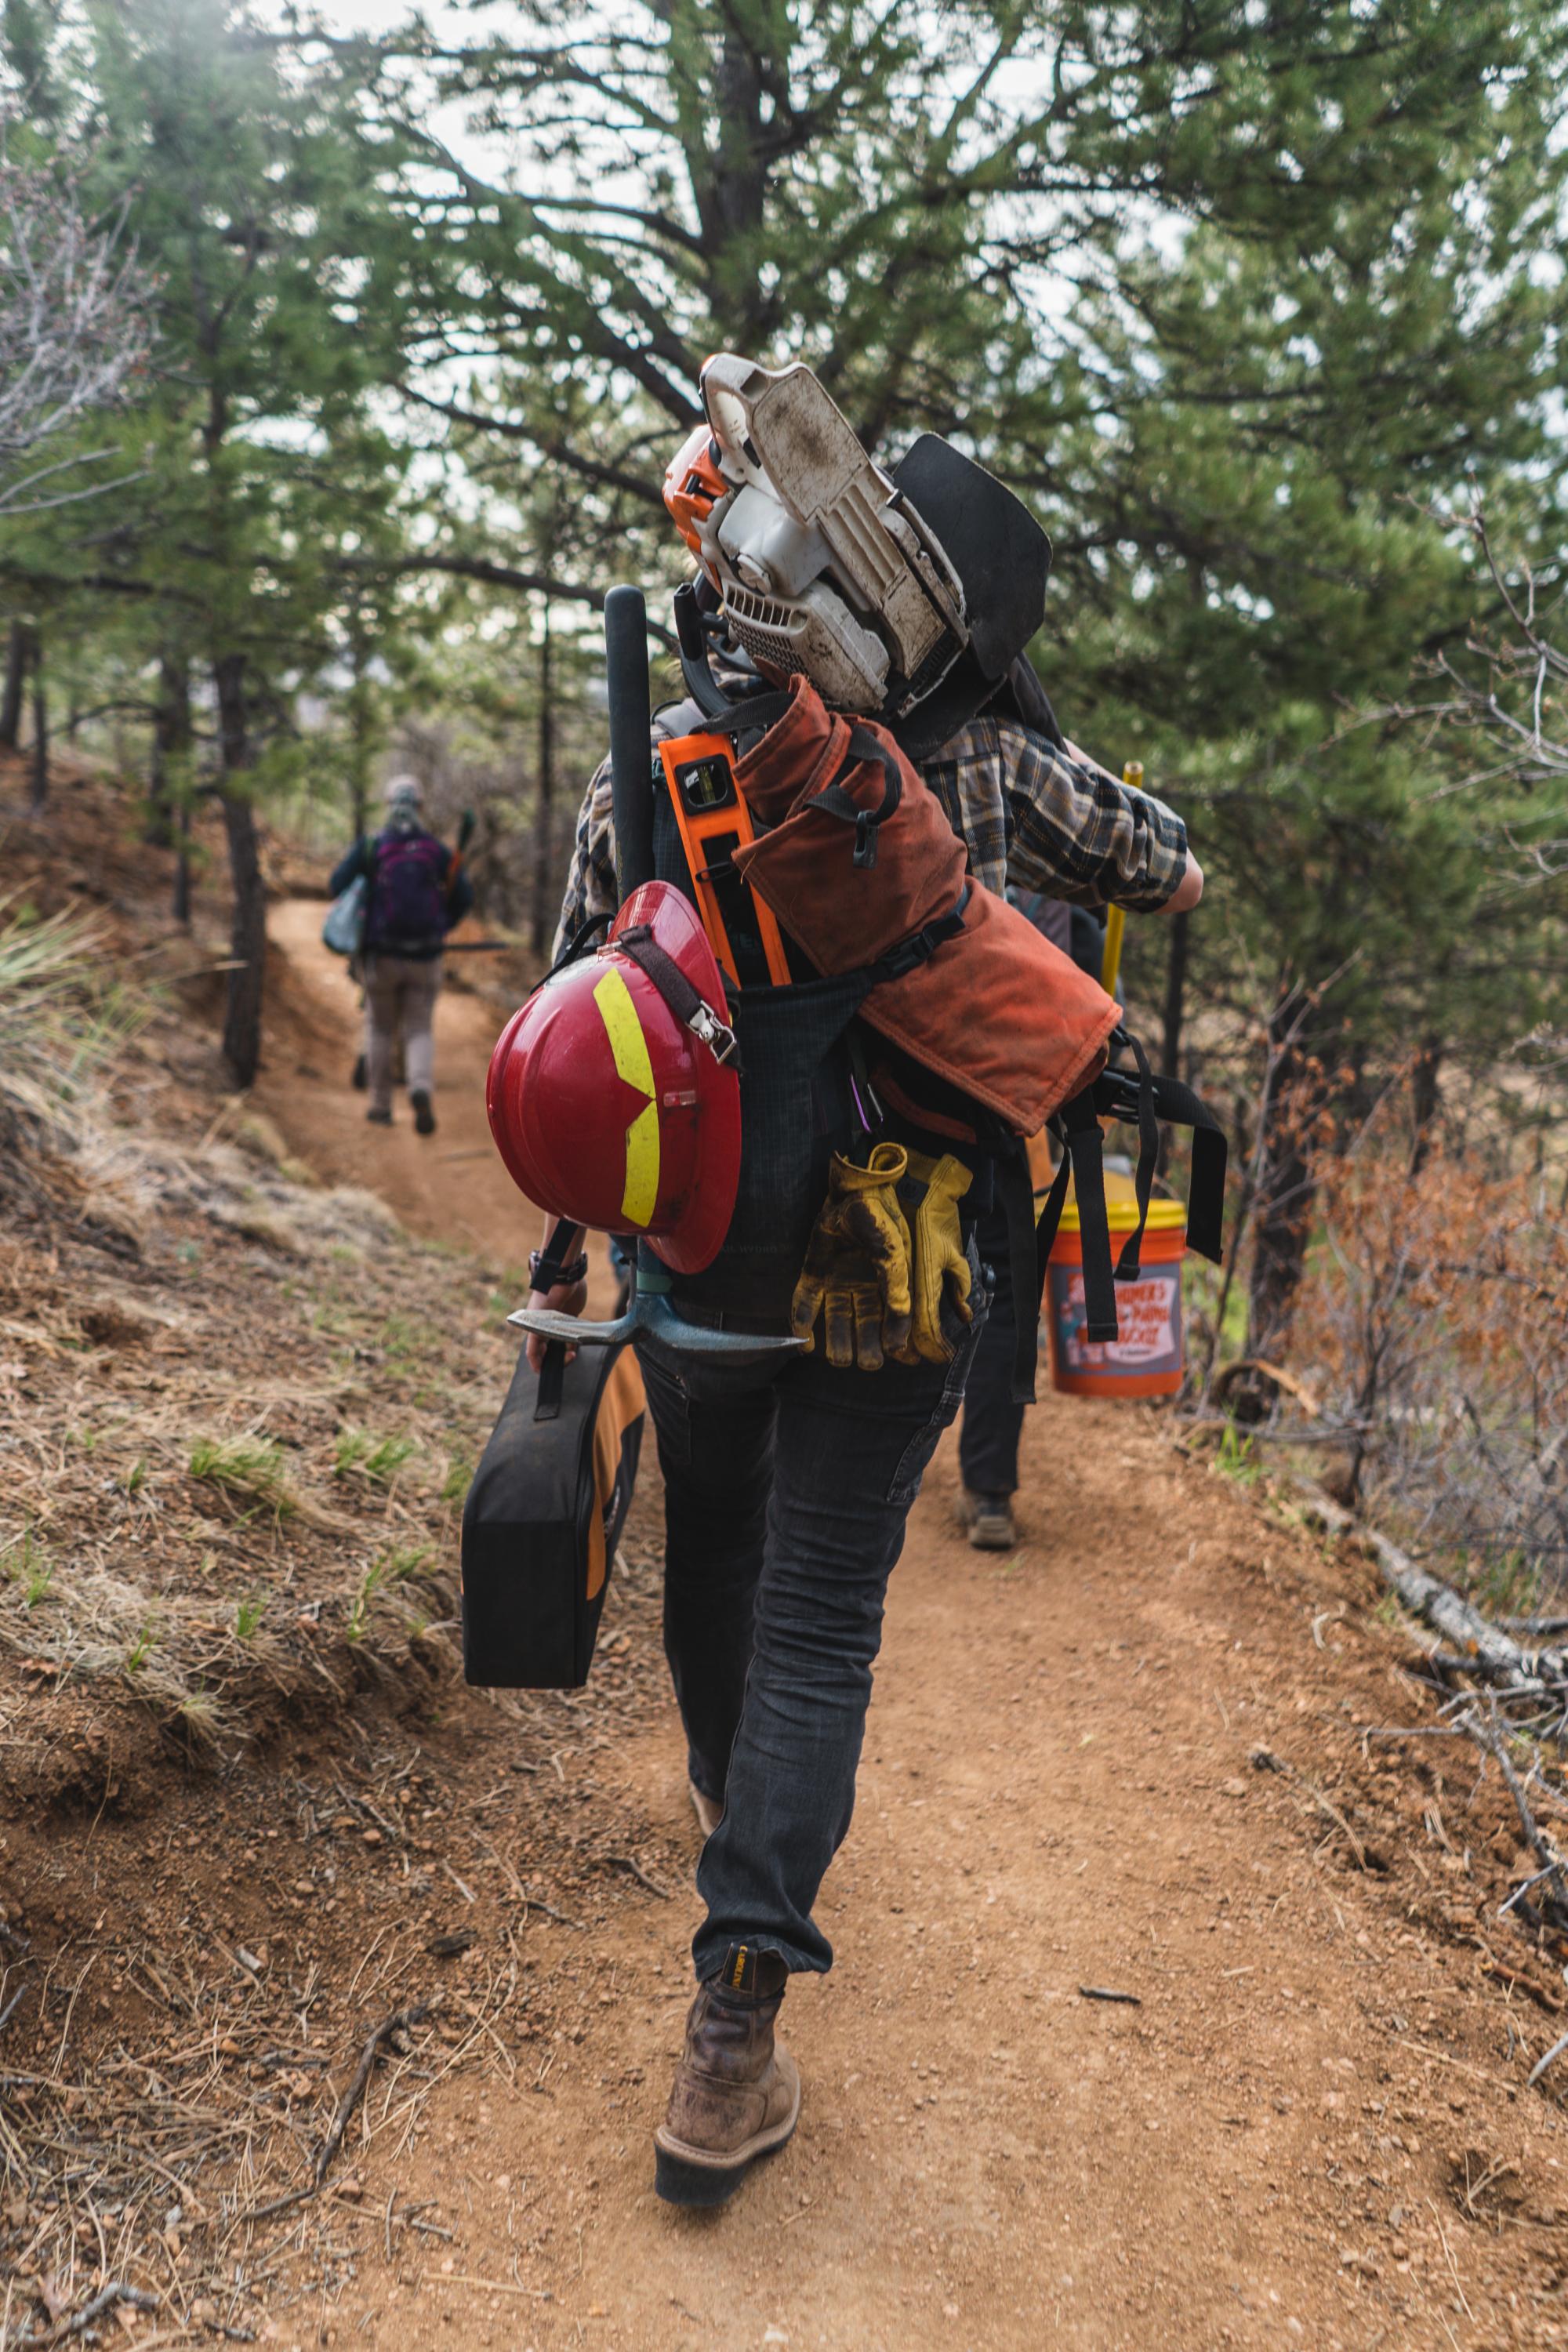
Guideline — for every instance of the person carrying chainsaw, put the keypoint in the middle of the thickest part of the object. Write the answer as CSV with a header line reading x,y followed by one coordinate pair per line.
x,y
417,891
797,1070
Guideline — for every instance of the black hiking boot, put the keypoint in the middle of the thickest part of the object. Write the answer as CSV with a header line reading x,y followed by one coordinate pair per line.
x,y
379,1118
736,2095
424,1112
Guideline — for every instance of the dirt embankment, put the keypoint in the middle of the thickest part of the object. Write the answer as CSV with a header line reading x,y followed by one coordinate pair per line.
x,y
1139,1756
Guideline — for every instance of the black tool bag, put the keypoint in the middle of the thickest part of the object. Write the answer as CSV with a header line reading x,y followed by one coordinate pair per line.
x,y
543,1517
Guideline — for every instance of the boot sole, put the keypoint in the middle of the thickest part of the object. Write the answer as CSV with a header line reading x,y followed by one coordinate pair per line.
x,y
684,2174
423,1116
992,1538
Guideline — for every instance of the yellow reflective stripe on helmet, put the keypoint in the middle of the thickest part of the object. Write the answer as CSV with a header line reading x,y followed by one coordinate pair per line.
x,y
641,1196
629,1048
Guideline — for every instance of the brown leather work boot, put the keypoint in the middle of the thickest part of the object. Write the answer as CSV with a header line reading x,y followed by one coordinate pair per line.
x,y
736,2094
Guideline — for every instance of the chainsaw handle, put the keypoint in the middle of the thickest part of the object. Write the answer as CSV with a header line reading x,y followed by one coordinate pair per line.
x,y
631,730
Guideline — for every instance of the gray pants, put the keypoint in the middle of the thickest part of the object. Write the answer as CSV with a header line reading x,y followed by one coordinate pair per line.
x,y
400,993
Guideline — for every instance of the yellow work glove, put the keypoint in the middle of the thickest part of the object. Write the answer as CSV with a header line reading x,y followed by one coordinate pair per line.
x,y
930,1194
856,1270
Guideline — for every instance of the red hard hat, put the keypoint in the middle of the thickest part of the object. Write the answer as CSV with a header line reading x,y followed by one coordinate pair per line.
x,y
613,1094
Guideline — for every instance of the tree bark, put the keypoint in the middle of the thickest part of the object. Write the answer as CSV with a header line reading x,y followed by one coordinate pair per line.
x,y
40,767
1283,1204
1425,1097
247,933
19,653
169,812
359,735
544,862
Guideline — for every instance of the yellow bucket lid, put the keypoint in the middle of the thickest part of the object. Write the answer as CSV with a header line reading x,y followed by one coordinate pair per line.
x,y
1165,1216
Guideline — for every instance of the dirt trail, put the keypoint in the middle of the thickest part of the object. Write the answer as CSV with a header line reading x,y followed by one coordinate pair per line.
x,y
1128,1758
449,1186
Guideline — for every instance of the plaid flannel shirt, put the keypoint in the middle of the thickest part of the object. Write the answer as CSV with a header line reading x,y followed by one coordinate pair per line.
x,y
1029,816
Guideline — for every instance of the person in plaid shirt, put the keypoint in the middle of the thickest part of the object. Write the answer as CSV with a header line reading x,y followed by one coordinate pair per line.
x,y
788,1479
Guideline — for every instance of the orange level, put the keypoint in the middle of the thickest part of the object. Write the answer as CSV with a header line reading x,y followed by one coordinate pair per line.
x,y
714,819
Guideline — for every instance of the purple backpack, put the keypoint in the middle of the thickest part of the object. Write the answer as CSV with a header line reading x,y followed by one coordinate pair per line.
x,y
408,891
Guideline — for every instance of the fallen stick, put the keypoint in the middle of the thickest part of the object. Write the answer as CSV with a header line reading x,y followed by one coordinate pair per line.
x,y
105,2300
399,2021
1540,2064
1104,1992
1481,1644
625,1861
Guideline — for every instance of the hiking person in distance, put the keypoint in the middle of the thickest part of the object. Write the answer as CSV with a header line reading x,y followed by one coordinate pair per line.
x,y
416,893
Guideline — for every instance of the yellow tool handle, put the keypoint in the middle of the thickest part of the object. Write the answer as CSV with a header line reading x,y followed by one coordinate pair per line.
x,y
1116,916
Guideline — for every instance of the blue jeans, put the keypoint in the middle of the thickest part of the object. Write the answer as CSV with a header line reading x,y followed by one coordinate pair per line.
x,y
787,1485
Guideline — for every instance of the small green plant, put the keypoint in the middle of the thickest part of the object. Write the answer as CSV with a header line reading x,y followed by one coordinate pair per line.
x,y
136,1477
249,1615
459,1478
377,1458
141,1648
29,1567
397,1567
188,1253
84,1440
402,1337
1238,1458
252,1467
352,1447
359,1607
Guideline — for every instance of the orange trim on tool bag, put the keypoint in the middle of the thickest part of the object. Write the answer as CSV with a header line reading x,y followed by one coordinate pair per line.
x,y
728,819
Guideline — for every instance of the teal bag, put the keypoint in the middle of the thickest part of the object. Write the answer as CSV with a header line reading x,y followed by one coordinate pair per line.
x,y
343,930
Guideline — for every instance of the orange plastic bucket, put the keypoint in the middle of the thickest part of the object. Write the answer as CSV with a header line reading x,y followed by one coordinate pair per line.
x,y
1149,1357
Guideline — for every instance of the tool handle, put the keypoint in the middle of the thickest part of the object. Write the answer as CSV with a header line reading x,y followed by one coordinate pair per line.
x,y
631,728
1116,916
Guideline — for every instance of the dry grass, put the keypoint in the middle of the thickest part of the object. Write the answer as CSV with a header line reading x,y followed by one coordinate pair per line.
x,y
1433,1347
237,1415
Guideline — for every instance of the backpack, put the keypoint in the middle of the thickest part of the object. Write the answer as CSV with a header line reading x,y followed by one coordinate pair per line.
x,y
408,891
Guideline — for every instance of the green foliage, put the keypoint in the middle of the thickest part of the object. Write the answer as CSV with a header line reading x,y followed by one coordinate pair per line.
x,y
29,1567
248,1616
378,1459
1236,1457
248,1468
141,1648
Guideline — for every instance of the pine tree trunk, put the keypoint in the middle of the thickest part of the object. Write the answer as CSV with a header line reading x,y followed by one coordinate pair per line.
x,y
247,935
169,816
359,755
1425,1097
40,768
544,861
180,900
1282,1213
14,692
